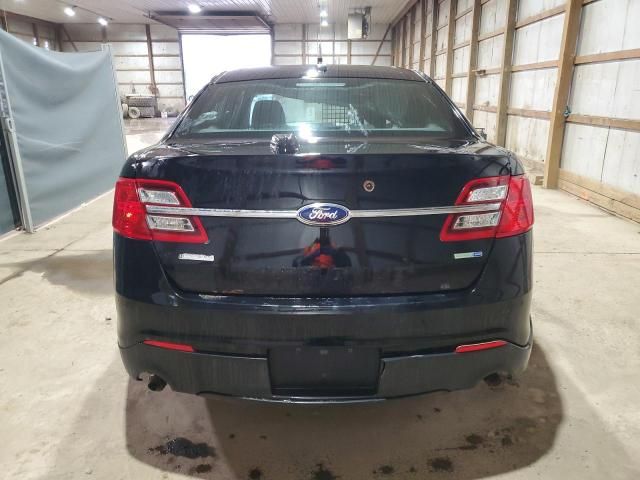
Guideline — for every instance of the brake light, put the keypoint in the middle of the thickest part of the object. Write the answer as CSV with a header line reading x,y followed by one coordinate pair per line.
x,y
131,220
513,214
170,345
475,347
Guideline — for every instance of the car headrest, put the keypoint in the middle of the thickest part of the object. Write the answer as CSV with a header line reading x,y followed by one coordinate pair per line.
x,y
268,114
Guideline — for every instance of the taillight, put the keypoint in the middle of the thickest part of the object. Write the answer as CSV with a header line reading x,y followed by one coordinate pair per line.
x,y
131,220
512,215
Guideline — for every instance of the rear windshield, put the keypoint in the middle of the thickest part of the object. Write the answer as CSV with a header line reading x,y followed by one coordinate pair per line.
x,y
321,107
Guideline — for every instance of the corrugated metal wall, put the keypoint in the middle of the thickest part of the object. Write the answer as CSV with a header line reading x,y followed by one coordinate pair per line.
x,y
296,44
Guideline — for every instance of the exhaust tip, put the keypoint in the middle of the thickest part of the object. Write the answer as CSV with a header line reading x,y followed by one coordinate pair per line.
x,y
156,384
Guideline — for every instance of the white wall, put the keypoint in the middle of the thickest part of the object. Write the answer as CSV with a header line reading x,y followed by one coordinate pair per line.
x,y
295,44
608,89
129,46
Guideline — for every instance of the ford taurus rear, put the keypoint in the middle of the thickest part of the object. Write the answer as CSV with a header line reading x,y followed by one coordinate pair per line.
x,y
321,235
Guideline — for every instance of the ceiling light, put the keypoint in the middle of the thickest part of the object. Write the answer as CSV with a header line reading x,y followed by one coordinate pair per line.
x,y
324,13
324,23
102,21
194,8
70,11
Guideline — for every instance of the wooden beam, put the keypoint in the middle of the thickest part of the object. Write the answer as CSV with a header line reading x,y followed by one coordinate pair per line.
x,y
608,56
412,34
620,123
448,80
622,196
434,37
423,32
408,6
616,201
485,108
464,12
534,66
64,30
303,44
540,16
403,41
462,45
36,36
473,59
529,113
486,36
505,74
570,32
152,68
384,37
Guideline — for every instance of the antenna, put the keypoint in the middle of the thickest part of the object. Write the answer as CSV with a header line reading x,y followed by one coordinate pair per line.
x,y
320,65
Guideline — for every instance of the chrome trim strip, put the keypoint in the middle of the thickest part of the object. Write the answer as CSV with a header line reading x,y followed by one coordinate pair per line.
x,y
392,212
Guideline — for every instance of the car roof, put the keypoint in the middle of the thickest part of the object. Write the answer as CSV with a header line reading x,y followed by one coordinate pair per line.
x,y
327,71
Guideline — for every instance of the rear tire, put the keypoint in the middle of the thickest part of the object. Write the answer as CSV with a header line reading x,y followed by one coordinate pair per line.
x,y
134,112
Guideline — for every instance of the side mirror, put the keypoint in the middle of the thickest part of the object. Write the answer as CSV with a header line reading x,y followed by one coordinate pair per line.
x,y
482,132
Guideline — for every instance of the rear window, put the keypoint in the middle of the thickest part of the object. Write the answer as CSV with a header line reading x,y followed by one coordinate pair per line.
x,y
321,107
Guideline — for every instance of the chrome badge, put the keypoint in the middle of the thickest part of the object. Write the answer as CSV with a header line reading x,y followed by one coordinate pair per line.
x,y
323,214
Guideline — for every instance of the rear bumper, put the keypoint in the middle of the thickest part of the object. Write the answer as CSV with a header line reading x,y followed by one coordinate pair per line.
x,y
248,377
416,335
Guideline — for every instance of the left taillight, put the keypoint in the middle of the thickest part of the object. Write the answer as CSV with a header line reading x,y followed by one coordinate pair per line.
x,y
512,215
131,220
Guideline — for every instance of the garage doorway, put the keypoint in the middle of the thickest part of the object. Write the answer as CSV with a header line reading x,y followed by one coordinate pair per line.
x,y
207,55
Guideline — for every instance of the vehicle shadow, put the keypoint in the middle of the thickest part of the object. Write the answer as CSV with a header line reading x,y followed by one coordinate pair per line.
x,y
494,428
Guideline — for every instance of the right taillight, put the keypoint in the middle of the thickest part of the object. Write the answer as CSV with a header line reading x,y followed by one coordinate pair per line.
x,y
517,212
131,220
507,210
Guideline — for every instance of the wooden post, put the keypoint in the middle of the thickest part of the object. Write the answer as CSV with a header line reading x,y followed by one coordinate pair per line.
x,y
423,32
570,32
505,74
412,34
434,37
36,36
403,52
303,44
473,59
451,32
152,67
3,21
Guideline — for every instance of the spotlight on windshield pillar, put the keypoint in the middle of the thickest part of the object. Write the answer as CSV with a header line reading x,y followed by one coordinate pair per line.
x,y
103,21
324,23
69,11
194,8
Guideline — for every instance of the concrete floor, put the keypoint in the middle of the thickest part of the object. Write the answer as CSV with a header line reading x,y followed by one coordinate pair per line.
x,y
68,410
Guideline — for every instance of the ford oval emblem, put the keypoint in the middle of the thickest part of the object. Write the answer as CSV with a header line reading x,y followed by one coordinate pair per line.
x,y
323,214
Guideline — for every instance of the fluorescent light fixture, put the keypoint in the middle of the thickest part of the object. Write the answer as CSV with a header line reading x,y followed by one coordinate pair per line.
x,y
194,8
70,11
102,21
324,23
324,14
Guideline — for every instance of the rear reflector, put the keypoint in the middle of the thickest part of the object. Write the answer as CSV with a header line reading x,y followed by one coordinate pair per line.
x,y
475,347
515,215
170,346
131,220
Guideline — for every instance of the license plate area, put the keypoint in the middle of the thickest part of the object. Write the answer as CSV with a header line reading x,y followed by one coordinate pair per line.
x,y
324,371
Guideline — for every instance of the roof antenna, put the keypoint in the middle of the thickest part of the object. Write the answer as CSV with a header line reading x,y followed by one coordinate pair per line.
x,y
321,67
